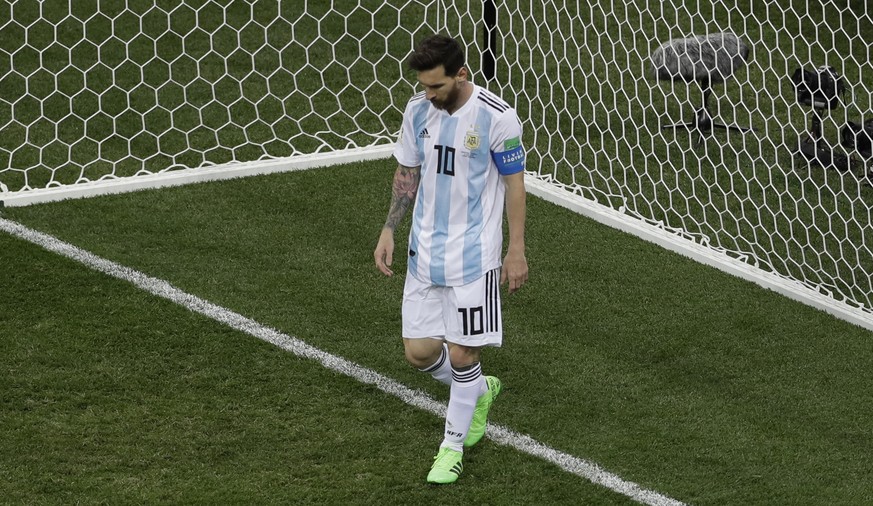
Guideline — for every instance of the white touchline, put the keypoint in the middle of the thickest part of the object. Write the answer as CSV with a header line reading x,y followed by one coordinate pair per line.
x,y
497,433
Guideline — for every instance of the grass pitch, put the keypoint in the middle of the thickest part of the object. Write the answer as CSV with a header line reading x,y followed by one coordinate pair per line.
x,y
682,379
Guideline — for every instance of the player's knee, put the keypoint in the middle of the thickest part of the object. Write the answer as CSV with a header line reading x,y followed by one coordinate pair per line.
x,y
421,356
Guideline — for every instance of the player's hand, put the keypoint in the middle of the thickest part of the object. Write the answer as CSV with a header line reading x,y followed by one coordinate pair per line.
x,y
384,253
514,271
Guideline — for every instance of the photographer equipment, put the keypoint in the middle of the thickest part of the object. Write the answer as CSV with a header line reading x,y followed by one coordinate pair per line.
x,y
823,89
859,137
704,59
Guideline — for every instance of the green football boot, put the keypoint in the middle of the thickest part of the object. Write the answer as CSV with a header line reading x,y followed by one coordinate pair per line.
x,y
447,466
480,416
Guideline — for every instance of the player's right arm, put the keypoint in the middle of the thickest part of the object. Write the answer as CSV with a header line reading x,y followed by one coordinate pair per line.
x,y
404,189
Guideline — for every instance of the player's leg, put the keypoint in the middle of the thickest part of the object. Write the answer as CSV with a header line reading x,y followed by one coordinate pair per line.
x,y
424,329
479,324
465,391
468,385
472,321
487,387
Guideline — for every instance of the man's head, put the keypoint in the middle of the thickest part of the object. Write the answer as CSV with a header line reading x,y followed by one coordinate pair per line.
x,y
439,61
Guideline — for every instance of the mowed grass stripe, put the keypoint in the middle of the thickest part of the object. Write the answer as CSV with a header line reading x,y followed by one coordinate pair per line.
x,y
499,434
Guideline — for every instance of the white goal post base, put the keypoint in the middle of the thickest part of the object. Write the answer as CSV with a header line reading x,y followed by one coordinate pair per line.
x,y
535,186
198,175
703,254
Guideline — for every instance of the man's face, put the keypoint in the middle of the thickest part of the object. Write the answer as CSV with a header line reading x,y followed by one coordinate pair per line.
x,y
440,89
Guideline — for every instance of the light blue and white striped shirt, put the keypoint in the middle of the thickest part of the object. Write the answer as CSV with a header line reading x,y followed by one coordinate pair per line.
x,y
457,225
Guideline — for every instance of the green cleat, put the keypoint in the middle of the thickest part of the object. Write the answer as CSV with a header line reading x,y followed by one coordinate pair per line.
x,y
480,416
447,466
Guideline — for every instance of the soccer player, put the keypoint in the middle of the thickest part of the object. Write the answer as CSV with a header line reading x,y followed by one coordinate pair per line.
x,y
460,160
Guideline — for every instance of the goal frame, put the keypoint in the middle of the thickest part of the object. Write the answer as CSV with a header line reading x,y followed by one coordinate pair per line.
x,y
693,243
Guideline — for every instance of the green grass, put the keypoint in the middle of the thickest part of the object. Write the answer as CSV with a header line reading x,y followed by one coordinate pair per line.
x,y
114,396
692,383
680,378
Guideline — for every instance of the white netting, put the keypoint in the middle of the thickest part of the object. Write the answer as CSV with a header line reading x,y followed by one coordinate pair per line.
x,y
92,90
581,74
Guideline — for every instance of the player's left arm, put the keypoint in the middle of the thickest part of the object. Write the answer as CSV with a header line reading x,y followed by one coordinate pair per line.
x,y
515,263
509,157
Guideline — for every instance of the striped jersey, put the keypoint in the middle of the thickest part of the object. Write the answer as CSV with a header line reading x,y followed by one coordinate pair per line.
x,y
457,224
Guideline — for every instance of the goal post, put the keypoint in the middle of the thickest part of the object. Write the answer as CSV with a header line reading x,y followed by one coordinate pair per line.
x,y
112,96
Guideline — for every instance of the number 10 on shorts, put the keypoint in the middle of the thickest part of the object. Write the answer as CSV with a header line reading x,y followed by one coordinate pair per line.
x,y
472,320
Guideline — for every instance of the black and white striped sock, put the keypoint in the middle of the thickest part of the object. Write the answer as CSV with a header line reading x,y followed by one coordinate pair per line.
x,y
467,385
441,370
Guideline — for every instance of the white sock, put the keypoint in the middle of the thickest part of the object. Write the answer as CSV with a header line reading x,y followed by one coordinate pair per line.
x,y
441,370
467,385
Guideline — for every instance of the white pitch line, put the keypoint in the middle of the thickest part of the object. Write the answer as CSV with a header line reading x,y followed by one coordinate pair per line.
x,y
502,435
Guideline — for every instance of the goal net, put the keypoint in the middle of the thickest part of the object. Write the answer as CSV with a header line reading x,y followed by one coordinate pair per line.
x,y
111,91
582,77
94,92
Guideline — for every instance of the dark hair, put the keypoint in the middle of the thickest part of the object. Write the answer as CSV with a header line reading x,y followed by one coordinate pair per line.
x,y
437,50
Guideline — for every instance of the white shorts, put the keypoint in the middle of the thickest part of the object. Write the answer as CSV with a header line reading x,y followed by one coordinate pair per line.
x,y
468,315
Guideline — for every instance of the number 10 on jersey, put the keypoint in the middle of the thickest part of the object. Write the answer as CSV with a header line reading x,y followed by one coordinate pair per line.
x,y
445,160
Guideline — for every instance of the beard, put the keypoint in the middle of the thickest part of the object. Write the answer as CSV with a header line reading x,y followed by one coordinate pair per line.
x,y
449,101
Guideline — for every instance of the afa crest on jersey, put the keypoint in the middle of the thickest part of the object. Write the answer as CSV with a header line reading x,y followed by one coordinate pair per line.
x,y
471,140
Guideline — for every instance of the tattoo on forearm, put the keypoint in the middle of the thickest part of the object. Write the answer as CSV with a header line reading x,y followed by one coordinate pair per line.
x,y
403,194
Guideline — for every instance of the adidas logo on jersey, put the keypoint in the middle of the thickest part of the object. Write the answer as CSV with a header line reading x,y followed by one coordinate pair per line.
x,y
423,134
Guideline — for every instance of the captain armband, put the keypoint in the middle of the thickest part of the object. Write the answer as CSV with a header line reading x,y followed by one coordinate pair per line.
x,y
509,162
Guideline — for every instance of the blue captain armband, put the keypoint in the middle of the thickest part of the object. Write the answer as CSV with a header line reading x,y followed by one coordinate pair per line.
x,y
509,162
